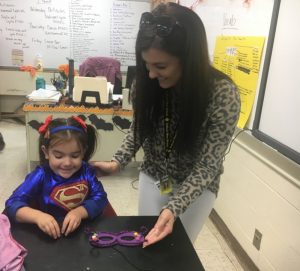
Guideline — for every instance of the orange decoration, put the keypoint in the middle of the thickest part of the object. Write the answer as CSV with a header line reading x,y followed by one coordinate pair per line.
x,y
64,71
30,69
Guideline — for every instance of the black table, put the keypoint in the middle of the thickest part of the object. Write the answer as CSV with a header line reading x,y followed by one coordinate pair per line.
x,y
74,252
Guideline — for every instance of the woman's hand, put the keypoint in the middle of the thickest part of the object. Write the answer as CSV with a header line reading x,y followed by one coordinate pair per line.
x,y
105,168
162,228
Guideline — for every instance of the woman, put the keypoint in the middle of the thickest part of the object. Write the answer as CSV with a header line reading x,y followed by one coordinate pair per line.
x,y
185,113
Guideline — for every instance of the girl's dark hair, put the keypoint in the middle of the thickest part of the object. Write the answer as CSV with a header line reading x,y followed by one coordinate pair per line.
x,y
87,140
188,43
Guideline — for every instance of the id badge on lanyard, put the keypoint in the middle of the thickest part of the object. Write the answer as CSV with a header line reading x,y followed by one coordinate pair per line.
x,y
166,185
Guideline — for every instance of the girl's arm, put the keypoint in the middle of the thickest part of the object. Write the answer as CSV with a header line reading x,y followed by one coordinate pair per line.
x,y
18,206
25,194
44,221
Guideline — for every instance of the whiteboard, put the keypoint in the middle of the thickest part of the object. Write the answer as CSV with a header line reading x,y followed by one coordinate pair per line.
x,y
77,29
277,118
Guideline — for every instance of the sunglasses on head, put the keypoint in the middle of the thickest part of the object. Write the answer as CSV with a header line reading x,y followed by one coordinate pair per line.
x,y
163,25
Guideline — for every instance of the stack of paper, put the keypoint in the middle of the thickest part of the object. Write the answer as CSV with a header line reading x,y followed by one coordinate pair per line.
x,y
44,96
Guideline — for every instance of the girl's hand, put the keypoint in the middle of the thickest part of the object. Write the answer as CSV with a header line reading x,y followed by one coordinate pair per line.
x,y
162,228
48,225
105,168
73,220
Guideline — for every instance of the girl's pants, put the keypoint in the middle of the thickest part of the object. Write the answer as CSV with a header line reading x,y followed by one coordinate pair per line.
x,y
151,203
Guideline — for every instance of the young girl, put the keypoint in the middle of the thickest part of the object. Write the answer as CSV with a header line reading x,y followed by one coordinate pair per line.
x,y
64,188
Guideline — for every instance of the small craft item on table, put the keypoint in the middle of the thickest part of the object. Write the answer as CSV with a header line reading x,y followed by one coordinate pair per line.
x,y
123,238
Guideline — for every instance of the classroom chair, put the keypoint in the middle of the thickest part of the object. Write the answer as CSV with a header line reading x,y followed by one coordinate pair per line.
x,y
103,66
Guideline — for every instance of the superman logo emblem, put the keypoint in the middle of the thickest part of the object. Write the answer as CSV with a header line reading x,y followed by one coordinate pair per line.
x,y
70,196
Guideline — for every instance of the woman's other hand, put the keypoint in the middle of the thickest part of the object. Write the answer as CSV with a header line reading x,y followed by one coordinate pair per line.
x,y
105,168
162,228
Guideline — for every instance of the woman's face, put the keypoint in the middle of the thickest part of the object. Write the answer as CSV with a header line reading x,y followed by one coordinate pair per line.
x,y
163,67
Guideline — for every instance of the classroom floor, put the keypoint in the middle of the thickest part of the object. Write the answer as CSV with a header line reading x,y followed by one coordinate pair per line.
x,y
122,191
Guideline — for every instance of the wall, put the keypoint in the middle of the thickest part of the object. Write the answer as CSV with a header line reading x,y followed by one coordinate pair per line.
x,y
260,189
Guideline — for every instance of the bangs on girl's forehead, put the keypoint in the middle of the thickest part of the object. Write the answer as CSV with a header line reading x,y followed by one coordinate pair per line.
x,y
64,136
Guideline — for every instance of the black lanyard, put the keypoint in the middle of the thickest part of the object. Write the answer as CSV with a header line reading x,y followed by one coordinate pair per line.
x,y
169,142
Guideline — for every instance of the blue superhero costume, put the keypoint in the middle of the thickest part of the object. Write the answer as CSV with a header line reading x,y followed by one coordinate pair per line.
x,y
56,195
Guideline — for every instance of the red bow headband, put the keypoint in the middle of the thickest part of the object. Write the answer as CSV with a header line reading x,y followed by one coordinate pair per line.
x,y
42,130
81,122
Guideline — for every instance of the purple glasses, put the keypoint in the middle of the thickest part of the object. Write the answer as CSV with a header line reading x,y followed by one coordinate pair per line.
x,y
123,238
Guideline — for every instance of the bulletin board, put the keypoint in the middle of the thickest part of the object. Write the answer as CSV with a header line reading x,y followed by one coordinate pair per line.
x,y
239,57
53,30
236,19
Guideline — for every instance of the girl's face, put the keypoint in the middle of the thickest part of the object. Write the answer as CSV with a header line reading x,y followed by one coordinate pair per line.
x,y
65,158
163,67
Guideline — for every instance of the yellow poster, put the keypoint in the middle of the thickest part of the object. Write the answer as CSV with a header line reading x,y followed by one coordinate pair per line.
x,y
239,57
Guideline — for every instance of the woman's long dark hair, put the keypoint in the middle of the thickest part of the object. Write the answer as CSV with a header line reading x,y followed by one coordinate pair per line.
x,y
87,140
187,41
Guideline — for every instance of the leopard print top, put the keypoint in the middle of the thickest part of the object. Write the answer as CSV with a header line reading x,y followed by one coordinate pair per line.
x,y
193,173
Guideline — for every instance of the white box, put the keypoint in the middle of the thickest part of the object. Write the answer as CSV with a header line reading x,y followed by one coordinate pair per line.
x,y
126,102
95,84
